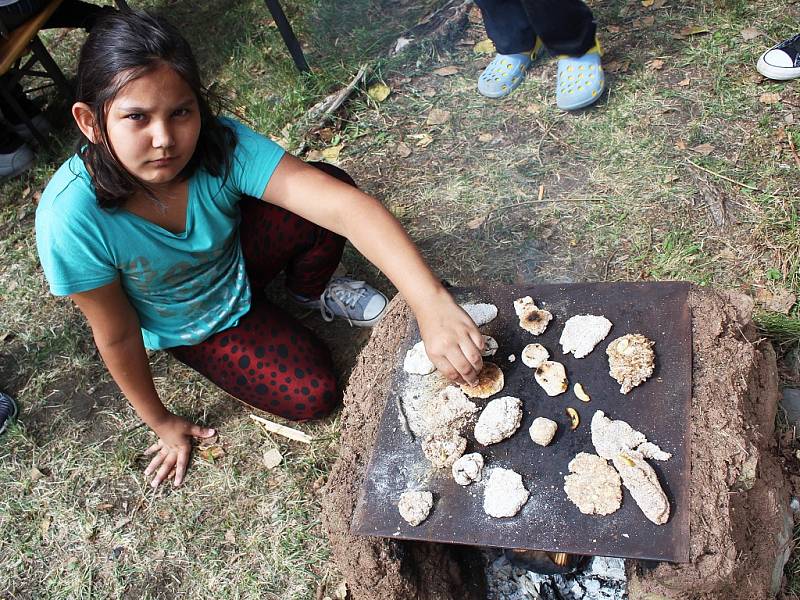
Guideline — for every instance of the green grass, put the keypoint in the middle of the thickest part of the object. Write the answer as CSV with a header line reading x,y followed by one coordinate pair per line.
x,y
624,197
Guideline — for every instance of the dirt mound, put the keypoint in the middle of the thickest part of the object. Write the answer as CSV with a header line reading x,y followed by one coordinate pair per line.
x,y
740,528
740,525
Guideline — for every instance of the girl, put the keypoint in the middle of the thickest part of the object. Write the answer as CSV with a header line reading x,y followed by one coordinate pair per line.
x,y
167,223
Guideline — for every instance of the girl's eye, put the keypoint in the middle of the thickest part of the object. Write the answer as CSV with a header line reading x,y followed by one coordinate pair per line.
x,y
135,116
181,112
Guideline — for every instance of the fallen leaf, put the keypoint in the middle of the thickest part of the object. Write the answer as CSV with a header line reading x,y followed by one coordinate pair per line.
x,y
680,145
670,178
750,33
400,44
402,150
647,21
437,116
485,138
484,47
691,30
36,474
445,71
332,153
779,300
314,156
424,141
429,92
44,526
656,64
647,3
613,28
272,458
211,453
684,82
477,221
769,98
230,537
378,91
533,109
788,119
617,66
704,149
104,506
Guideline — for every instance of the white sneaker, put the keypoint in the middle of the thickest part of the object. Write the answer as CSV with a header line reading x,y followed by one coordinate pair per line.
x,y
782,61
346,298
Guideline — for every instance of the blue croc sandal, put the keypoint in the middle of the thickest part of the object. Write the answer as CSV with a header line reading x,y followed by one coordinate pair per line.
x,y
506,72
580,80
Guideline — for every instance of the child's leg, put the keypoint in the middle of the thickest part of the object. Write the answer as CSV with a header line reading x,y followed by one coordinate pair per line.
x,y
274,239
565,26
269,361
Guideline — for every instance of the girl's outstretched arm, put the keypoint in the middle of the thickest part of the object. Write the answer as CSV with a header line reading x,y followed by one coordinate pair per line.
x,y
452,340
116,331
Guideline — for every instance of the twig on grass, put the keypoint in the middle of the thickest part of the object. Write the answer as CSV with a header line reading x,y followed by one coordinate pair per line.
x,y
726,178
287,432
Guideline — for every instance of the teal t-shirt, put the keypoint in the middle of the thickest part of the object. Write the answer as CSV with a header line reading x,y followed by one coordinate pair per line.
x,y
184,286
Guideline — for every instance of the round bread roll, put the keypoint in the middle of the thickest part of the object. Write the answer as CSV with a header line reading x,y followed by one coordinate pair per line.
x,y
490,381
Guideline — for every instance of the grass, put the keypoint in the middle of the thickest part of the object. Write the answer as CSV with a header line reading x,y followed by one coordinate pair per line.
x,y
623,197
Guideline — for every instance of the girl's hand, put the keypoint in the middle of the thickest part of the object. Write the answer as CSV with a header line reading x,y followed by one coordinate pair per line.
x,y
452,341
174,447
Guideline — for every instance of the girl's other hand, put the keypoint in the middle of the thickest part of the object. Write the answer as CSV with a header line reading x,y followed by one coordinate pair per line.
x,y
173,449
452,341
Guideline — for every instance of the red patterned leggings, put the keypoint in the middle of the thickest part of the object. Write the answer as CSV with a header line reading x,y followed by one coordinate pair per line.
x,y
269,360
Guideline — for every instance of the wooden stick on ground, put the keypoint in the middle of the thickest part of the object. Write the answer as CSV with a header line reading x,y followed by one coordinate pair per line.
x,y
288,432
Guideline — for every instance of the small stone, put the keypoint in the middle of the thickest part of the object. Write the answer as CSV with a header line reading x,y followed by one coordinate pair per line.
x,y
794,504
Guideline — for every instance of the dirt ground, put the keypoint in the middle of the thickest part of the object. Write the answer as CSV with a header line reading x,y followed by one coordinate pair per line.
x,y
739,522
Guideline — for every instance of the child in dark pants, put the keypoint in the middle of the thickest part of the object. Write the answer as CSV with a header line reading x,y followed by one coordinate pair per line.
x,y
166,224
522,29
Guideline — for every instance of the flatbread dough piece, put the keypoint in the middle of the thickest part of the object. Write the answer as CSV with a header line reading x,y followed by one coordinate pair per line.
x,y
443,448
543,430
480,313
417,362
490,346
552,376
593,485
641,480
631,360
532,318
415,506
612,437
499,420
490,381
534,354
582,333
504,495
468,469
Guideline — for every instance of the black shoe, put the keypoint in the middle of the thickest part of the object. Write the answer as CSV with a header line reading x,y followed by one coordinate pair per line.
x,y
8,411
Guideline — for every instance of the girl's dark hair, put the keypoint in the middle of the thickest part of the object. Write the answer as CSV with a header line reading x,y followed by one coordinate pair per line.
x,y
121,47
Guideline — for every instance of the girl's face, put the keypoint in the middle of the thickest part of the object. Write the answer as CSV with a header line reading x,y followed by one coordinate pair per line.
x,y
153,124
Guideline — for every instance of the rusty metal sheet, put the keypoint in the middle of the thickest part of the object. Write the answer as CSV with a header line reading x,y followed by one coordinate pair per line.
x,y
659,408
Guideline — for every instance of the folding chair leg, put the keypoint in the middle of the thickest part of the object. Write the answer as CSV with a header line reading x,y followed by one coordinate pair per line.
x,y
285,29
12,102
52,68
